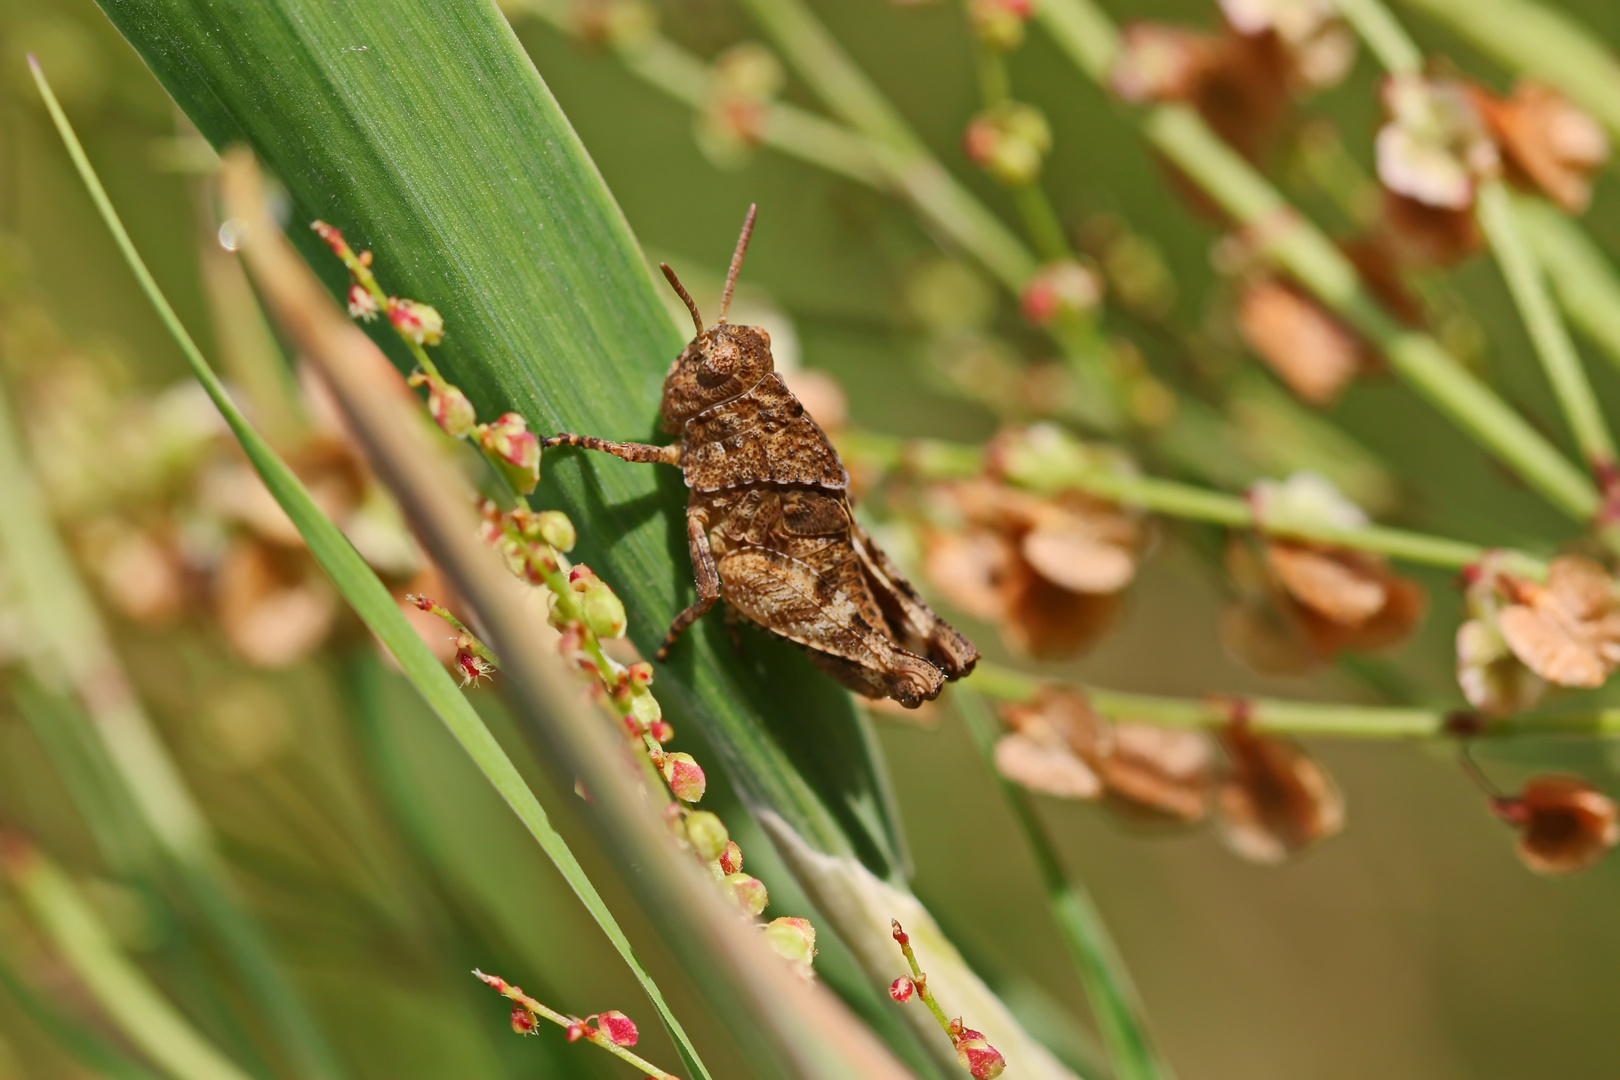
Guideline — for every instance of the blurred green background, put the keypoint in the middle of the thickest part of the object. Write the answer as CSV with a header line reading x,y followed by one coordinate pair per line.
x,y
1414,945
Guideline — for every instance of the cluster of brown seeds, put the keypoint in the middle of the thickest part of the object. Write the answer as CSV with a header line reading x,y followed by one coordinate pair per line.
x,y
1049,571
1268,798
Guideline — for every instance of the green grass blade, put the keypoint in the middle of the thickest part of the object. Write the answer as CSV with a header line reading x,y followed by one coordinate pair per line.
x,y
96,1054
372,602
1113,997
139,1009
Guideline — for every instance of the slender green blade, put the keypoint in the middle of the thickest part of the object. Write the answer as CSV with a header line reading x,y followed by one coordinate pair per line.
x,y
1112,994
375,606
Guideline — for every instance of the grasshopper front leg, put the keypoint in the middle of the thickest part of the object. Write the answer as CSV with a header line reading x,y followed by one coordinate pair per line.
x,y
643,453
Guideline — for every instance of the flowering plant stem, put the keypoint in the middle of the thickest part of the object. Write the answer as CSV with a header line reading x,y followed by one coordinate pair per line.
x,y
1272,716
840,82
938,460
595,1036
1087,36
1559,359
371,600
1582,277
1525,280
1102,971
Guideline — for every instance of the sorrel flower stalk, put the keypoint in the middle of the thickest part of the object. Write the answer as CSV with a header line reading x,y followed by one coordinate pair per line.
x,y
613,1031
973,1050
583,608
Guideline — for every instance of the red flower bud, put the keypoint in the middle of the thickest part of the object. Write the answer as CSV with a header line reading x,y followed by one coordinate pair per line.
x,y
515,447
684,776
641,673
1059,288
448,405
422,323
731,859
577,1030
661,730
582,577
902,989
749,892
470,666
900,936
362,305
618,1027
978,1057
523,1021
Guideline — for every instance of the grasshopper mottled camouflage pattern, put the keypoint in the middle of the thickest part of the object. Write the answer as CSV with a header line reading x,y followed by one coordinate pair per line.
x,y
769,524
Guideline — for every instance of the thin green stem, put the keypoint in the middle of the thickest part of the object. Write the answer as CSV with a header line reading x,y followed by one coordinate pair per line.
x,y
1552,342
1375,25
143,1015
933,459
1102,971
920,980
371,601
1582,278
1494,209
1273,716
1086,35
595,1036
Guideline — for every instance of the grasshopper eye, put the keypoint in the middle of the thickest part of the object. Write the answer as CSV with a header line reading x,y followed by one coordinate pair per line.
x,y
719,361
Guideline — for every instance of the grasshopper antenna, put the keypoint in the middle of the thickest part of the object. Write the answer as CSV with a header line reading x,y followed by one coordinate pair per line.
x,y
736,260
697,320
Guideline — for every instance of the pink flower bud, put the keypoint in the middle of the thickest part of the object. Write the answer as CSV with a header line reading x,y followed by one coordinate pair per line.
x,y
731,859
448,405
515,447
978,1057
334,238
900,936
661,731
793,939
523,1021
499,984
708,834
641,673
577,1030
362,305
1009,141
618,1027
422,323
902,989
749,892
603,611
470,666
684,776
1059,288
1000,23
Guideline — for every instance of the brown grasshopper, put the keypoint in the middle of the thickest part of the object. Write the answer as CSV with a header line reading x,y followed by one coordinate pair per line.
x,y
768,518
